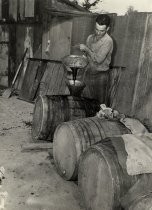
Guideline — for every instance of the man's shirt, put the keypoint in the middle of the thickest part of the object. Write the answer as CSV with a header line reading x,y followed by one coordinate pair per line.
x,y
102,50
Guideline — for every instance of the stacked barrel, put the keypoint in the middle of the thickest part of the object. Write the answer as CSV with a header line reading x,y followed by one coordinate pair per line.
x,y
92,150
88,148
50,111
72,138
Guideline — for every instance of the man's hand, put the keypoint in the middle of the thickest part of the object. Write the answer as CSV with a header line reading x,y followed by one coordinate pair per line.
x,y
83,47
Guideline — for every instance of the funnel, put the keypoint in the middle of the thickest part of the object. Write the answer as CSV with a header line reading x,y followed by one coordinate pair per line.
x,y
75,87
75,61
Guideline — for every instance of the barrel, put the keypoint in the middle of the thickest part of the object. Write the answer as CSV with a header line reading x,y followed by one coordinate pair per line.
x,y
144,203
102,177
49,111
74,137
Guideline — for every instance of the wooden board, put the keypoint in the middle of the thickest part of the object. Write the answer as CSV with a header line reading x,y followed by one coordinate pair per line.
x,y
37,147
119,38
53,81
59,33
3,59
0,9
13,9
22,9
29,8
81,31
37,41
12,53
24,35
4,64
134,35
43,78
20,33
27,88
142,101
40,72
5,9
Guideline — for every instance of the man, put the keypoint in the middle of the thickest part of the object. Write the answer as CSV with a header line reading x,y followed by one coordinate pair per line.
x,y
98,49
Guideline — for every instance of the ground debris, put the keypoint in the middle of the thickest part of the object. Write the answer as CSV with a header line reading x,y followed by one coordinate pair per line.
x,y
3,196
9,128
27,123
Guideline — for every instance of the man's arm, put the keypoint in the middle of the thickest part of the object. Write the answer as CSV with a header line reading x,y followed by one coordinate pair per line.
x,y
99,56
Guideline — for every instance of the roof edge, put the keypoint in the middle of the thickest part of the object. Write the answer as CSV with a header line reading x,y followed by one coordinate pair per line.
x,y
77,6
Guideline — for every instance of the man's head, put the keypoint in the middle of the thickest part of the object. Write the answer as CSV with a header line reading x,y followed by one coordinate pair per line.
x,y
102,25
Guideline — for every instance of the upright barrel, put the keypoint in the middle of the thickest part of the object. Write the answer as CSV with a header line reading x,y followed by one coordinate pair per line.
x,y
103,178
49,111
72,138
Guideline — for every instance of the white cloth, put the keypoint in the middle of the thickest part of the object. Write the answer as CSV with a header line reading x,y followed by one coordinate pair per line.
x,y
134,125
139,150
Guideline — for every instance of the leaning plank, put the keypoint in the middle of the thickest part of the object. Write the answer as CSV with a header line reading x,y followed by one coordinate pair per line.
x,y
36,147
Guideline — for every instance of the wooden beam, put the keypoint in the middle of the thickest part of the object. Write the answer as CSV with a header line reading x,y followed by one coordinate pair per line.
x,y
36,147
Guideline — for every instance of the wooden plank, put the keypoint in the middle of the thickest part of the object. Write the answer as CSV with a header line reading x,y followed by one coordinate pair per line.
x,y
21,9
56,85
27,42
20,33
119,37
29,8
141,106
53,81
114,80
13,5
37,41
12,53
40,72
1,10
3,59
81,31
44,85
37,147
28,82
5,9
45,38
4,34
59,34
134,37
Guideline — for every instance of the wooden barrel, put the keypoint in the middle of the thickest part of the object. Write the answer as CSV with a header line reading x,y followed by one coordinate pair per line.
x,y
49,111
103,178
74,137
144,203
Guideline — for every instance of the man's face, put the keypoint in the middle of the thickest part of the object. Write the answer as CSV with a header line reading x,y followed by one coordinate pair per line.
x,y
101,30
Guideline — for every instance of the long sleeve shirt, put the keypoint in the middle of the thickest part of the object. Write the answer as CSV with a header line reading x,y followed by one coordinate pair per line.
x,y
101,51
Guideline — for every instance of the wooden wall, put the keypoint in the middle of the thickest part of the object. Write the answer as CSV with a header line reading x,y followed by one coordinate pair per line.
x,y
4,51
27,36
65,34
133,49
21,9
56,40
80,31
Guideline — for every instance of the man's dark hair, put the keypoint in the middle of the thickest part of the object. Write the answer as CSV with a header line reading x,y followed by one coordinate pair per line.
x,y
103,19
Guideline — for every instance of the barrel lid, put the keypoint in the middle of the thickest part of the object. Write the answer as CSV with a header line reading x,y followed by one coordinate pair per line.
x,y
98,179
40,117
65,151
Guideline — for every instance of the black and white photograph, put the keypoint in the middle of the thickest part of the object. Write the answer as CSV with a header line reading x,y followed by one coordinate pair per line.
x,y
75,105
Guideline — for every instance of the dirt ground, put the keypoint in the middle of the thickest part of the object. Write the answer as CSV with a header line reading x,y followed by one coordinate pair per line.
x,y
30,177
